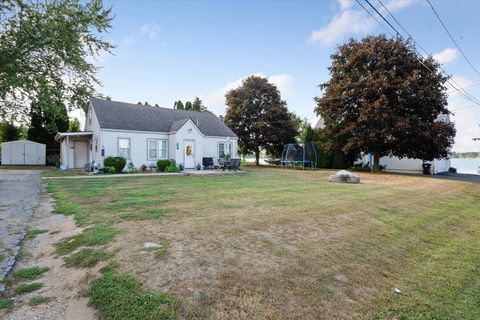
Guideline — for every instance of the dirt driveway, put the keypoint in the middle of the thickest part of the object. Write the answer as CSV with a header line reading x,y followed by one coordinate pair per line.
x,y
19,192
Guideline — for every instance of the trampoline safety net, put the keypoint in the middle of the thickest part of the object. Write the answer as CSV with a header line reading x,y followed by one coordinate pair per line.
x,y
299,153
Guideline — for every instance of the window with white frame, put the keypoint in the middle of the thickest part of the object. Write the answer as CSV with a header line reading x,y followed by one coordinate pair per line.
x,y
157,149
124,147
221,150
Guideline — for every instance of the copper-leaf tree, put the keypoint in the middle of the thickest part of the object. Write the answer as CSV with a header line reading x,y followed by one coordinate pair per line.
x,y
385,99
259,117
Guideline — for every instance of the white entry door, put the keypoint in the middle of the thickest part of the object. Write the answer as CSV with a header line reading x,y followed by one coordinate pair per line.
x,y
189,153
81,154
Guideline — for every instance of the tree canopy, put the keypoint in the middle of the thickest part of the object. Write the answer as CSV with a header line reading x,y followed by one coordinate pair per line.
x,y
197,105
46,45
74,125
386,99
48,116
259,117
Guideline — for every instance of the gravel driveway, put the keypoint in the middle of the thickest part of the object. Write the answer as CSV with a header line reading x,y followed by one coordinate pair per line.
x,y
19,192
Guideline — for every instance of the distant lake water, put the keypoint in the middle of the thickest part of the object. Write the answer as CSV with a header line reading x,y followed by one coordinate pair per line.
x,y
466,165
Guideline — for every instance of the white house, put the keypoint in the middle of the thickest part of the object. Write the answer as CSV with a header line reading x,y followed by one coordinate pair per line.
x,y
145,134
408,165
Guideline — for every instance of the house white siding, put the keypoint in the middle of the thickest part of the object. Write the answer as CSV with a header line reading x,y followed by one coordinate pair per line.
x,y
138,145
136,129
92,124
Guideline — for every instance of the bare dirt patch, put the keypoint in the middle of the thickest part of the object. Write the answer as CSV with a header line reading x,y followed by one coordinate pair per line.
x,y
64,286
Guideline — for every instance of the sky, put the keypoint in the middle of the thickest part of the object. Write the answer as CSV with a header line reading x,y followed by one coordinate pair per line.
x,y
177,50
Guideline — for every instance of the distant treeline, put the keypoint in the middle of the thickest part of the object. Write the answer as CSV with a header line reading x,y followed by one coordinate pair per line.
x,y
465,155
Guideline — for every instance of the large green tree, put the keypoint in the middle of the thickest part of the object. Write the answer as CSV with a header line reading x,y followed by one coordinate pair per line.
x,y
259,117
48,116
384,98
9,132
178,105
197,105
74,125
47,43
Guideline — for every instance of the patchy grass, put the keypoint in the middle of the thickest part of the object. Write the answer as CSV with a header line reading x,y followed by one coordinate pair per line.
x,y
120,296
5,303
99,234
33,233
35,301
149,214
288,244
29,273
27,287
86,258
55,172
2,257
160,251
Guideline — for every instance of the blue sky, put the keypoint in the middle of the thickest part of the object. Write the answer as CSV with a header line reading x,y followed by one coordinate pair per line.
x,y
170,50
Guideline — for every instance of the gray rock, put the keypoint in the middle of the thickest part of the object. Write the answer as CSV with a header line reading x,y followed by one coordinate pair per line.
x,y
151,245
344,176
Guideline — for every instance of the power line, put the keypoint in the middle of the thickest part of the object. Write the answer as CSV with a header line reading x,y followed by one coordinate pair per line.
x,y
451,37
373,16
453,84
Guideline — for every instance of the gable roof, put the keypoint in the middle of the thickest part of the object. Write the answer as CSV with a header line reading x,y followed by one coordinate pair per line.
x,y
128,116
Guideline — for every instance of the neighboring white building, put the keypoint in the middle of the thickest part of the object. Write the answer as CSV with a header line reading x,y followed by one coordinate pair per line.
x,y
409,165
145,134
23,152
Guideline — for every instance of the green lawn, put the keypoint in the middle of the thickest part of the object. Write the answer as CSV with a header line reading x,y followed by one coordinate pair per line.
x,y
275,243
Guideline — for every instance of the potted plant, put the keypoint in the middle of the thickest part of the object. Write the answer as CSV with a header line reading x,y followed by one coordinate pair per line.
x,y
143,167
181,166
152,167
199,167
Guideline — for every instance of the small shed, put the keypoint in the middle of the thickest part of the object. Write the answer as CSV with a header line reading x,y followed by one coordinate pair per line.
x,y
23,152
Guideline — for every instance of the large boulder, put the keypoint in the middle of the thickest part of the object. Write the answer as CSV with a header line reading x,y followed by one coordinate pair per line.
x,y
344,176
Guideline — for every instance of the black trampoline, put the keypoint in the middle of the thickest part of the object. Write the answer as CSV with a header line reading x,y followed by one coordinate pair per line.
x,y
303,154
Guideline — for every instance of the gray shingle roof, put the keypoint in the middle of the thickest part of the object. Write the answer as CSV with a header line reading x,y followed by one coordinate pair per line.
x,y
128,116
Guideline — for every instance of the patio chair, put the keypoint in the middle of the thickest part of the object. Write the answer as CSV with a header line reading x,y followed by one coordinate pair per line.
x,y
216,164
232,164
207,163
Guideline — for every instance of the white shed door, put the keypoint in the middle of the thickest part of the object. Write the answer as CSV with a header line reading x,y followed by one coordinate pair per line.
x,y
17,153
30,154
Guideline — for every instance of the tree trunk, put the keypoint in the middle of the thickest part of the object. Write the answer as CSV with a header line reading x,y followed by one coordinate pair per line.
x,y
376,161
257,157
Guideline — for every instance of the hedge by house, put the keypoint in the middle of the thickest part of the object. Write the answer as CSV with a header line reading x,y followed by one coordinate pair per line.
x,y
162,164
117,162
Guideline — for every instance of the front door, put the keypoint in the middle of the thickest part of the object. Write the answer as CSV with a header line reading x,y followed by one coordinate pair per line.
x,y
189,153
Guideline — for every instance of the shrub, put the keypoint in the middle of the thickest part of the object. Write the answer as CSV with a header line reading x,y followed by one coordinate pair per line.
x,y
172,167
109,170
117,162
162,164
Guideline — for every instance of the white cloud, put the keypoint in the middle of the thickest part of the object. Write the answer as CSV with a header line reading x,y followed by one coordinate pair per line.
x,y
445,56
345,4
215,101
349,22
151,30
